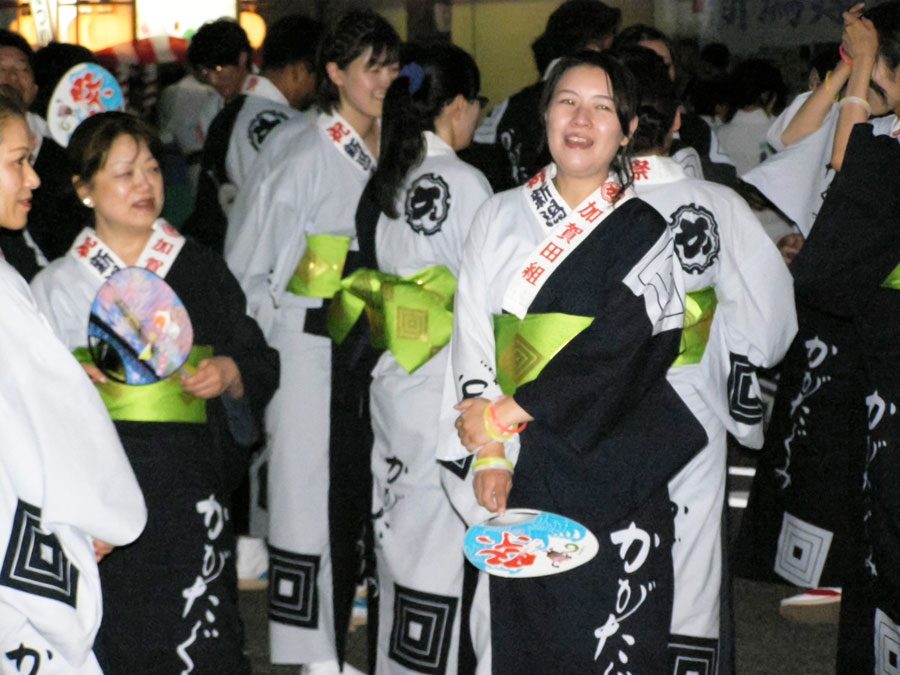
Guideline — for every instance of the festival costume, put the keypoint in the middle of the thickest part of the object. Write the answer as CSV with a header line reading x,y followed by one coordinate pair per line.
x,y
418,537
289,254
63,480
232,143
170,599
740,317
609,431
743,138
816,442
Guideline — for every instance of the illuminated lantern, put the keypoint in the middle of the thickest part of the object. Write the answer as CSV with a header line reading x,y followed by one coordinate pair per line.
x,y
255,27
25,27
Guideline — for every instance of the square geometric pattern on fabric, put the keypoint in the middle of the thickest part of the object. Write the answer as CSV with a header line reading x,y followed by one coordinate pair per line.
x,y
422,629
802,551
887,645
743,402
689,655
293,592
35,562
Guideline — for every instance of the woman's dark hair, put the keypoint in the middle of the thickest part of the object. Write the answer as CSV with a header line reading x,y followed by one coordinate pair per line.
x,y
625,96
89,146
433,78
658,101
11,105
292,39
757,82
634,35
573,27
352,35
886,18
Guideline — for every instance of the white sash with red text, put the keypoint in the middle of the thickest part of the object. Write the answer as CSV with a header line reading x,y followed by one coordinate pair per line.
x,y
347,141
570,227
158,255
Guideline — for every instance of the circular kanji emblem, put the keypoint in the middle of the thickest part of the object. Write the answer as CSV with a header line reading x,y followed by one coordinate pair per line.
x,y
427,204
262,125
696,237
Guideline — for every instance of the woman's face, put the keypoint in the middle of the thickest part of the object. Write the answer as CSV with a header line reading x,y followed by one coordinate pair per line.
x,y
363,85
17,177
127,191
583,130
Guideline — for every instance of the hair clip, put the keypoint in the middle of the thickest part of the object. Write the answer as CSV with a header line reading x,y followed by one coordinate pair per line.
x,y
416,75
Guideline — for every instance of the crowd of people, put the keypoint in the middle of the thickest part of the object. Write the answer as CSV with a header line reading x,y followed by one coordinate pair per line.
x,y
411,314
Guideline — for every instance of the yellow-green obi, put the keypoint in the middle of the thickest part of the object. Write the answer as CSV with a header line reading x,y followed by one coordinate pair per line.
x,y
162,401
699,308
412,316
893,279
526,346
319,271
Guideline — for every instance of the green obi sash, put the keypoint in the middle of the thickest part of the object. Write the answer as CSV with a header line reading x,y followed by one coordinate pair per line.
x,y
319,271
699,308
162,401
525,346
412,316
893,279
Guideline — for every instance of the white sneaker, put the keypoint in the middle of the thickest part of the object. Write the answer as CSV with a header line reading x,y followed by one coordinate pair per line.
x,y
252,564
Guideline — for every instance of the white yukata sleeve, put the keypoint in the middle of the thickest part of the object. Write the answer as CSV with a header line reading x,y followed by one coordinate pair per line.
x,y
471,368
754,324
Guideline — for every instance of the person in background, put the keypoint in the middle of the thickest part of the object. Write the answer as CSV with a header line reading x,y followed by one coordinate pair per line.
x,y
282,89
740,318
426,198
170,599
296,240
758,92
67,492
514,128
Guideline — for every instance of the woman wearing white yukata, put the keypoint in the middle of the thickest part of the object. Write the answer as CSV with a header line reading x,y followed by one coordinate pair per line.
x,y
739,317
289,254
579,281
427,198
66,486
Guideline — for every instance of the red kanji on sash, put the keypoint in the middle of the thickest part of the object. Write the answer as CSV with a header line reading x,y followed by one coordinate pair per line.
x,y
337,131
532,273
611,191
537,179
153,264
86,247
571,231
640,168
163,246
551,252
590,212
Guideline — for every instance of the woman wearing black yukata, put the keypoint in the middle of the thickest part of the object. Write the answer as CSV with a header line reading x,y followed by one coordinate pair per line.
x,y
590,271
170,599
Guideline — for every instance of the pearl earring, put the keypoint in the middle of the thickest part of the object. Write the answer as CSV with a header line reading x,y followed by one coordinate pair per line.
x,y
88,202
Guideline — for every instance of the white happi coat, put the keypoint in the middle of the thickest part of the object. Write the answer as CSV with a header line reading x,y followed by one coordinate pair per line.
x,y
264,110
313,189
797,176
269,156
436,207
720,243
64,478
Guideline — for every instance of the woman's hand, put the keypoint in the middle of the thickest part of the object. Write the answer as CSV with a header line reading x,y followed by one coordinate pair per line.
x,y
93,372
789,246
860,39
492,486
470,423
102,549
215,376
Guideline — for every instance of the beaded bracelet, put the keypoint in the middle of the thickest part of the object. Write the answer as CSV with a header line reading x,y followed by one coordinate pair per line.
x,y
492,463
856,100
